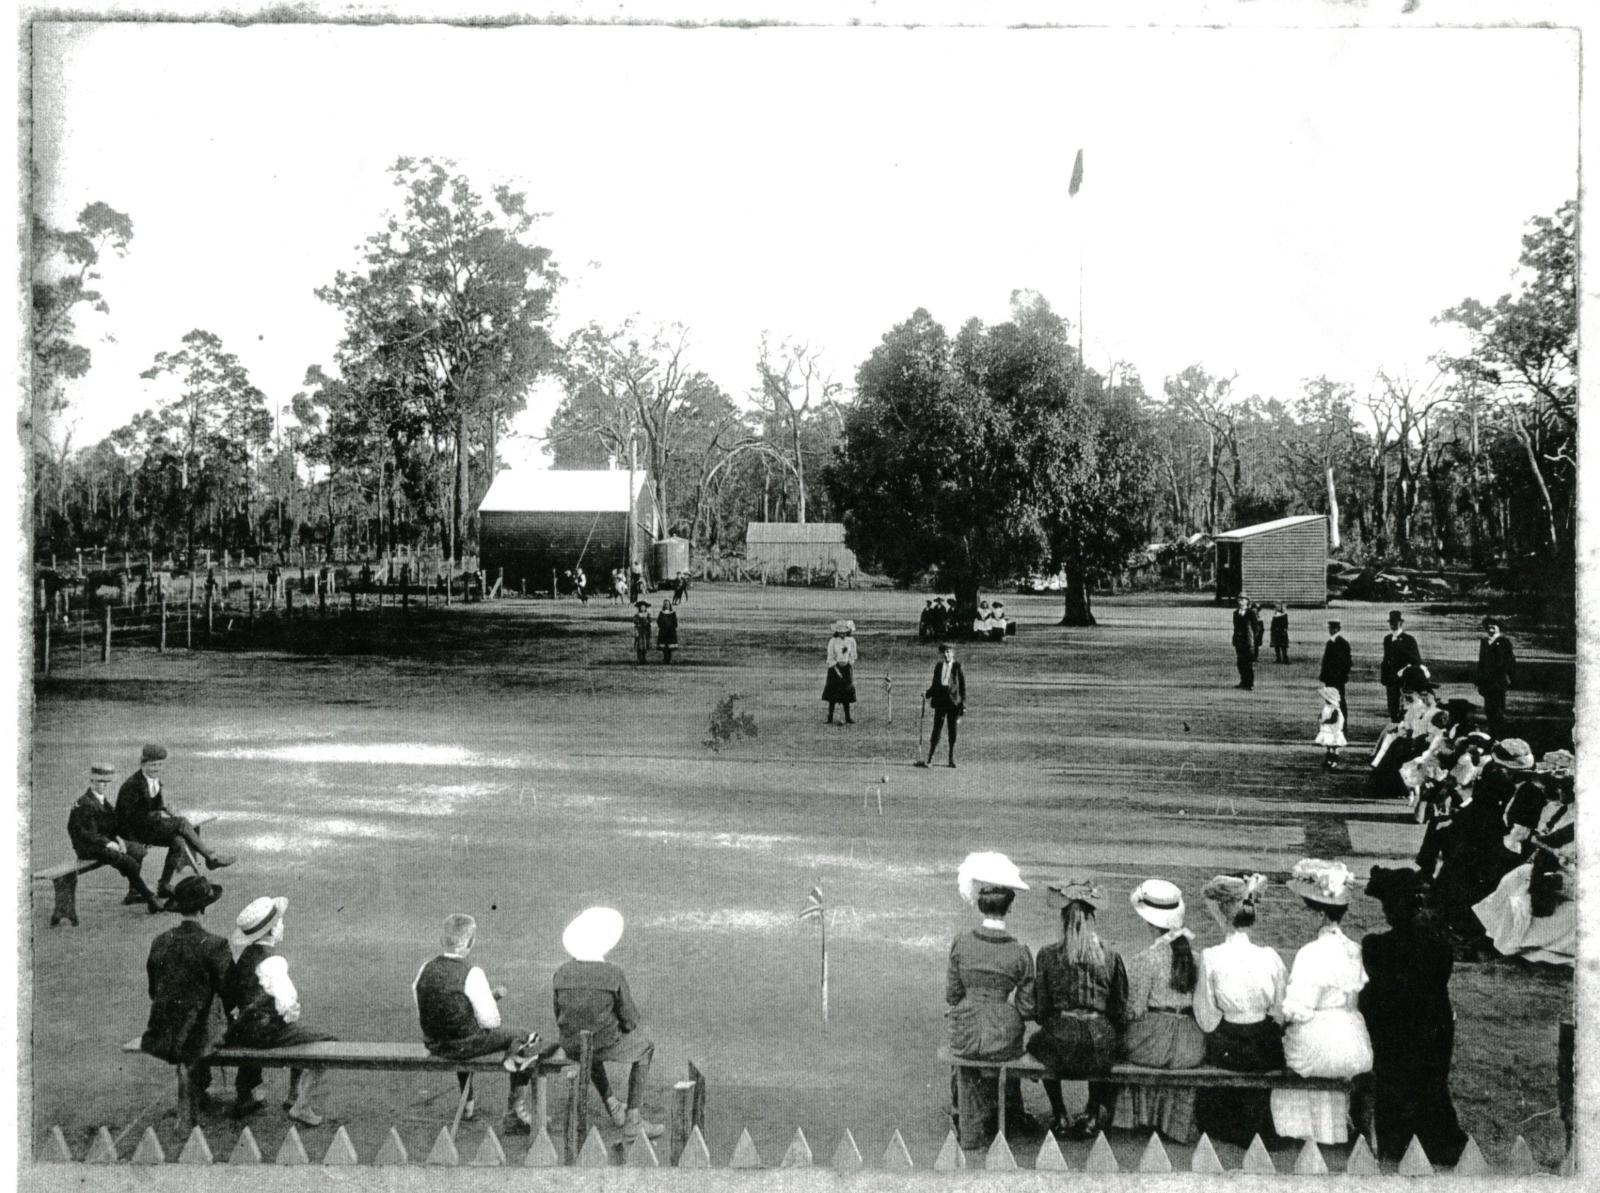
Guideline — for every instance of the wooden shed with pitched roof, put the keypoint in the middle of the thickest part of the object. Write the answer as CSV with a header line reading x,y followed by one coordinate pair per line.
x,y
775,547
1283,560
535,521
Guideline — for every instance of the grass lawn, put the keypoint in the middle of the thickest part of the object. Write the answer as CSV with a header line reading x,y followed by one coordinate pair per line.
x,y
510,760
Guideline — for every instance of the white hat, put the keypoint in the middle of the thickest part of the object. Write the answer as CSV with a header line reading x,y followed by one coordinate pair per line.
x,y
841,627
1159,902
593,933
1321,882
987,869
257,919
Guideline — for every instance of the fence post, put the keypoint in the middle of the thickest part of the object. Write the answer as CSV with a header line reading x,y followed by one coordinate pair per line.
x,y
44,596
288,604
252,621
322,594
352,601
188,614
209,624
83,615
46,668
447,587
105,642
163,647
552,584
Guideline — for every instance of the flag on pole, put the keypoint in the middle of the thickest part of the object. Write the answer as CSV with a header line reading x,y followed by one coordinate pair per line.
x,y
813,910
813,907
1077,175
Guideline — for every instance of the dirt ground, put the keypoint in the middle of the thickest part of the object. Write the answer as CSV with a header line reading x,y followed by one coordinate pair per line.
x,y
510,760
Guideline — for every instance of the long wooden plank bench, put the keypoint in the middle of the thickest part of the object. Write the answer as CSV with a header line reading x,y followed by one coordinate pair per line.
x,y
65,876
1028,1069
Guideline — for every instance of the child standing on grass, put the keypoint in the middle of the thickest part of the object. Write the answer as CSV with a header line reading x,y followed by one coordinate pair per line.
x,y
1280,634
1330,732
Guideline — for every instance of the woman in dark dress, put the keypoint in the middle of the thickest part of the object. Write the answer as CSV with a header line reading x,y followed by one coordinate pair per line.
x,y
1081,997
989,989
667,630
1406,1003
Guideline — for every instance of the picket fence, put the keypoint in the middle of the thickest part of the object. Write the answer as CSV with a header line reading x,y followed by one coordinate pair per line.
x,y
846,1155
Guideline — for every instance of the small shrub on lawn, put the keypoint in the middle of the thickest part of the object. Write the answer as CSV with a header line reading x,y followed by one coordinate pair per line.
x,y
728,726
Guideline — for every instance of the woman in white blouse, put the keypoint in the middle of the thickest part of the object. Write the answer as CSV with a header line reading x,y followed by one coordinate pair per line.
x,y
1237,995
840,686
1326,1035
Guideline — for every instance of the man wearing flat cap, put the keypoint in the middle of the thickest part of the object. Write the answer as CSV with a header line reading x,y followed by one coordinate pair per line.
x,y
96,836
188,974
142,815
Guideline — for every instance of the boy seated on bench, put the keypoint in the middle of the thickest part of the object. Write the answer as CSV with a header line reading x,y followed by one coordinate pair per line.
x,y
460,1020
93,829
592,995
143,816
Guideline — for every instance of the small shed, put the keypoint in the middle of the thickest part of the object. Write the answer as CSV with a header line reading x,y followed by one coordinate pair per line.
x,y
775,547
535,522
1283,560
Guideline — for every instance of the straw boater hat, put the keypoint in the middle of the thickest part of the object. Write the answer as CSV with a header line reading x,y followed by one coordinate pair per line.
x,y
1074,890
1514,754
257,919
1322,882
981,870
1159,902
100,770
593,933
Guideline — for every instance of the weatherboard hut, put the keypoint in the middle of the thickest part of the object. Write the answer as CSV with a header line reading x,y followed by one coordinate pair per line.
x,y
534,523
773,548
1284,560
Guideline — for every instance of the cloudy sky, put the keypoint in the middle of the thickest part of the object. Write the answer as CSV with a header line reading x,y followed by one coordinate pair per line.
x,y
1276,203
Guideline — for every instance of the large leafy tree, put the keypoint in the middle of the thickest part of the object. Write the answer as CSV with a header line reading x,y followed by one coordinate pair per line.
x,y
450,315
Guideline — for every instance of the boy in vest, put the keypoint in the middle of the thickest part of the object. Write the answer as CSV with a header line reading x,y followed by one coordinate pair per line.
x,y
592,995
460,1020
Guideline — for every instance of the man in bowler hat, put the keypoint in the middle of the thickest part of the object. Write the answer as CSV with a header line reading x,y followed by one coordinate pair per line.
x,y
92,827
143,815
1400,650
1335,672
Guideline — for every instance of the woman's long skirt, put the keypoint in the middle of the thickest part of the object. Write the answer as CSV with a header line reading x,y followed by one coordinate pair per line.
x,y
1161,1040
840,686
1238,1115
1076,1047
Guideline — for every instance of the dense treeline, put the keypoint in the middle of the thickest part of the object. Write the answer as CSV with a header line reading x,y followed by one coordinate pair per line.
x,y
449,311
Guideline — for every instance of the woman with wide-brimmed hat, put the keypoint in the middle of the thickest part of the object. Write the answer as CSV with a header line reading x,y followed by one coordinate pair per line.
x,y
1238,995
1533,911
641,630
840,685
989,987
265,1007
1406,1005
1326,1035
1081,998
1160,1031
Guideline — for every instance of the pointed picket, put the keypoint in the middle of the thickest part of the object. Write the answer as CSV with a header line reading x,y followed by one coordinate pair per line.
x,y
847,1156
1204,1159
798,1153
1101,1158
56,1150
594,1153
340,1150
102,1150
541,1152
149,1149
245,1151
1415,1161
695,1153
897,1156
292,1150
1050,1158
1569,1164
195,1149
999,1157
443,1154
1155,1158
950,1157
1310,1162
1257,1160
393,1150
1520,1162
642,1154
489,1154
1471,1161
744,1152
1361,1161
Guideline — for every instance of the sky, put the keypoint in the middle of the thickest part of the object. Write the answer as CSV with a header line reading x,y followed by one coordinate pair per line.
x,y
1273,203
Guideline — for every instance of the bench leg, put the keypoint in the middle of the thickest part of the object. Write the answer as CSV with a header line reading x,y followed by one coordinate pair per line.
x,y
1000,1122
541,1103
66,908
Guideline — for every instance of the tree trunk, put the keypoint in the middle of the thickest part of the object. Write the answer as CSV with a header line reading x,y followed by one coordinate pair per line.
x,y
1211,496
1078,609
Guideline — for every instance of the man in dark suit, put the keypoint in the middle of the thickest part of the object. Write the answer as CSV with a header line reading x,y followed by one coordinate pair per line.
x,y
948,693
1246,634
92,828
143,816
188,970
1400,650
1335,671
1497,664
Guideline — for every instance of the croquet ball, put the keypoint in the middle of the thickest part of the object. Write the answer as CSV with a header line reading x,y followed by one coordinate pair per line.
x,y
885,779
1181,812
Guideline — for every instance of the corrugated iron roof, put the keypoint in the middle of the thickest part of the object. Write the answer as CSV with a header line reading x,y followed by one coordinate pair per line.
x,y
1245,532
560,490
794,532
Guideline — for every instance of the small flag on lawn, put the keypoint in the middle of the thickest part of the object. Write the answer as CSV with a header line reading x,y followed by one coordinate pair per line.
x,y
1077,175
813,907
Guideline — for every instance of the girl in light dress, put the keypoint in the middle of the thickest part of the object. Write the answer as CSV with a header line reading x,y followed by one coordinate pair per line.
x,y
840,685
1330,728
1326,1035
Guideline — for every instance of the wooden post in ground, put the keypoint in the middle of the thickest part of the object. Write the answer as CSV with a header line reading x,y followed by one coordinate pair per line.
x,y
447,587
322,594
163,646
552,584
288,604
209,623
45,667
105,641
188,614
352,601
44,596
252,621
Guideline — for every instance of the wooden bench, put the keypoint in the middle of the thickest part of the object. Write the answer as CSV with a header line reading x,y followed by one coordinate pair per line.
x,y
65,875
412,1056
1029,1069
